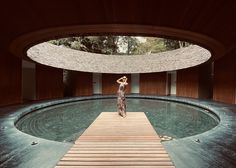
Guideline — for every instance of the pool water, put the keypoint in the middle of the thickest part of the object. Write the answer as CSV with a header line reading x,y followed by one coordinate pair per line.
x,y
66,122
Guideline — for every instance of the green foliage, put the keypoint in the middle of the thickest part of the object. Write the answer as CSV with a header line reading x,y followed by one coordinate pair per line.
x,y
175,44
96,44
151,45
120,44
129,45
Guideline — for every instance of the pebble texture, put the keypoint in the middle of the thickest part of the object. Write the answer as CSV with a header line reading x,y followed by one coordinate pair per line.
x,y
66,58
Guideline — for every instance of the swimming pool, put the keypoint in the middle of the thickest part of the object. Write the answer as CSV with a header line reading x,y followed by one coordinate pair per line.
x,y
66,122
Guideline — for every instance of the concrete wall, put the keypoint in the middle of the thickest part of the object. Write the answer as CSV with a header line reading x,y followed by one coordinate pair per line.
x,y
173,82
135,83
97,83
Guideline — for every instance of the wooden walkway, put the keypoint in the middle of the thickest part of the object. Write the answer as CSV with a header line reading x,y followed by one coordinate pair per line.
x,y
112,141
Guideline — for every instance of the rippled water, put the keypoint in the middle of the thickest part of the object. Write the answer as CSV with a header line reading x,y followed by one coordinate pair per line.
x,y
68,121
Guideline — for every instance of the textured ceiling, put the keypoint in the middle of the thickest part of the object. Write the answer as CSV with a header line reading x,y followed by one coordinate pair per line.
x,y
66,58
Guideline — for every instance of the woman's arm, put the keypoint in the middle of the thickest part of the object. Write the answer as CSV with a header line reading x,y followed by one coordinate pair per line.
x,y
125,81
120,80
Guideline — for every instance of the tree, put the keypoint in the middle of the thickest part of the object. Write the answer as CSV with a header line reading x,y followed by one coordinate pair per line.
x,y
127,45
96,44
175,44
151,45
171,44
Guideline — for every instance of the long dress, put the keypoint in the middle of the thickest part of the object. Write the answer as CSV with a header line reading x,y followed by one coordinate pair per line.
x,y
121,104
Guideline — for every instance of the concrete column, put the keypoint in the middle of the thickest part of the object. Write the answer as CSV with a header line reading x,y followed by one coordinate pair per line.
x,y
97,83
173,82
134,83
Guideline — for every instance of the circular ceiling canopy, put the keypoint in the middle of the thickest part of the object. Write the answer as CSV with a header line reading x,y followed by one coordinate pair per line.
x,y
66,58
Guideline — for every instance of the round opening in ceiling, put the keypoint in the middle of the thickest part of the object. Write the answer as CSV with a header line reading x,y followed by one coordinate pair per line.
x,y
118,54
120,45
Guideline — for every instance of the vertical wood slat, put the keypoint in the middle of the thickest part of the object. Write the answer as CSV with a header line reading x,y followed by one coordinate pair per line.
x,y
153,83
10,83
109,84
82,84
49,82
187,83
224,85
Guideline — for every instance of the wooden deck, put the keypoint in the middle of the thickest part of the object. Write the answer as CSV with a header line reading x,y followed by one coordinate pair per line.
x,y
112,141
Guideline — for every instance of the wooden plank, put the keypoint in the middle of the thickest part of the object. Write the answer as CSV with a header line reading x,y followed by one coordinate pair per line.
x,y
115,166
117,149
117,146
117,143
115,126
113,141
94,163
111,152
124,159
107,155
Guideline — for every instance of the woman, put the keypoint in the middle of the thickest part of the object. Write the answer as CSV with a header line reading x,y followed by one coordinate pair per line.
x,y
121,105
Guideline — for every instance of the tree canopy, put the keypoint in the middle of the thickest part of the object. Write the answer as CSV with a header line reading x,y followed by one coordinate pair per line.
x,y
120,45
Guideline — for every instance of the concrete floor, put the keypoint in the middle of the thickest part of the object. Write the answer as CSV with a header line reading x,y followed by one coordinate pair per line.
x,y
214,148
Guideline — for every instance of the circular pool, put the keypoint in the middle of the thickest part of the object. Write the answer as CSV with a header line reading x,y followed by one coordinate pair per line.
x,y
66,122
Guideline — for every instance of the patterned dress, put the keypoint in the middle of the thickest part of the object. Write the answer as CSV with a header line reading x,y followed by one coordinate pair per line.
x,y
121,104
